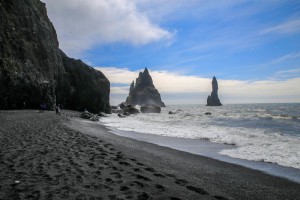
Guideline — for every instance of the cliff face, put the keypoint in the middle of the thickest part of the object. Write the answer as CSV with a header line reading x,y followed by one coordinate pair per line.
x,y
84,87
213,99
34,70
144,91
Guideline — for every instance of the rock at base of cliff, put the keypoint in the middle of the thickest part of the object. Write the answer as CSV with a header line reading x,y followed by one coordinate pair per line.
x,y
90,116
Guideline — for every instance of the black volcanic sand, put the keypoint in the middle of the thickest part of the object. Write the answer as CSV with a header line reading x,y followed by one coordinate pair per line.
x,y
47,156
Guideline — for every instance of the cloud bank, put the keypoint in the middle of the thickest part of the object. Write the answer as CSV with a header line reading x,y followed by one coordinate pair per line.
x,y
83,24
176,88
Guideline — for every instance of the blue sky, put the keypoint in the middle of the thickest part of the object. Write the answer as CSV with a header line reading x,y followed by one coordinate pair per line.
x,y
252,47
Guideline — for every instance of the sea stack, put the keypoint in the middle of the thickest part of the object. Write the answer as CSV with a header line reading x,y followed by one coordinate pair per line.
x,y
34,71
213,99
143,91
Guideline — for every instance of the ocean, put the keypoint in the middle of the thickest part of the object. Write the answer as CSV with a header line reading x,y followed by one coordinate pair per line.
x,y
258,132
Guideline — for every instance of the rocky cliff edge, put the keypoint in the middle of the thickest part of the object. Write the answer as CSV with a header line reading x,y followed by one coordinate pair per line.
x,y
33,70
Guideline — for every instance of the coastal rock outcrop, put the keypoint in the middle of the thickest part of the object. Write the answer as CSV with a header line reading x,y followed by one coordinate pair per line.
x,y
129,110
150,109
87,115
143,92
213,99
83,87
34,71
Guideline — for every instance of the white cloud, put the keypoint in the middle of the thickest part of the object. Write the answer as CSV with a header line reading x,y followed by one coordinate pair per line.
x,y
83,24
172,85
288,27
284,74
164,81
288,57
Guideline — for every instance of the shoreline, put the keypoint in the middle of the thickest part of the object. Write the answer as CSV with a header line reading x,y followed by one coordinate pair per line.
x,y
210,150
46,156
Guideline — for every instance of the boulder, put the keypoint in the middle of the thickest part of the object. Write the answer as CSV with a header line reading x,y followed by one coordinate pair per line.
x,y
123,106
117,111
175,112
121,116
150,109
131,110
90,116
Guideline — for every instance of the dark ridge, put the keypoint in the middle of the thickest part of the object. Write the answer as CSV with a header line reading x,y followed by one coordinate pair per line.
x,y
34,71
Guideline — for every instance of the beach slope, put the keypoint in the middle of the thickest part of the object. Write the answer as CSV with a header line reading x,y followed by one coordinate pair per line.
x,y
48,156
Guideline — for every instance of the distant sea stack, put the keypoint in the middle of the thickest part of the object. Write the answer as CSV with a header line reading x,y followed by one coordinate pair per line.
x,y
213,99
34,71
143,92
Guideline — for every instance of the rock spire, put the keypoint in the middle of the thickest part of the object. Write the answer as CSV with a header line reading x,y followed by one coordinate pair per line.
x,y
143,92
213,99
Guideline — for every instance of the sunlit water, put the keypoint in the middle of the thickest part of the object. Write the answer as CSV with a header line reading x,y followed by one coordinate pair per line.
x,y
260,132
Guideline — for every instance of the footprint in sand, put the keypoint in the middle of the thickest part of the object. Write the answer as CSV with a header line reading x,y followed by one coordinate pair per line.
x,y
124,163
140,164
160,187
129,197
220,197
143,196
181,182
149,169
98,172
116,174
136,183
197,190
142,178
159,175
108,180
124,188
170,175
87,187
175,198
106,187
136,169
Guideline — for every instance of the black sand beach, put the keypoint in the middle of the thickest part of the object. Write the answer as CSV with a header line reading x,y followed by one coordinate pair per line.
x,y
47,156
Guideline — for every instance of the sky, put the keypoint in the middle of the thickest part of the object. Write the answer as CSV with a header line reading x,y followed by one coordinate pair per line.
x,y
251,46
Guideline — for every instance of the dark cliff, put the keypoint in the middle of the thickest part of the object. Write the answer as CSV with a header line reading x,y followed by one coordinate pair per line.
x,y
34,70
144,91
213,99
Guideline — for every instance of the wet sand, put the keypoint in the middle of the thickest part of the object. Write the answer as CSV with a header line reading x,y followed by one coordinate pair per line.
x,y
46,156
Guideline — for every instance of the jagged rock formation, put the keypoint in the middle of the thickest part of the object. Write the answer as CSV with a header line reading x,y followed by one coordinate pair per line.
x,y
144,92
34,70
213,99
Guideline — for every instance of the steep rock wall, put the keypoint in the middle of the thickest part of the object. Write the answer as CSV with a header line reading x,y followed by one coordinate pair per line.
x,y
34,70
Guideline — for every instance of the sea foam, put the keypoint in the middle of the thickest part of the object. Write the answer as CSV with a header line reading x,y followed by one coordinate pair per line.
x,y
254,131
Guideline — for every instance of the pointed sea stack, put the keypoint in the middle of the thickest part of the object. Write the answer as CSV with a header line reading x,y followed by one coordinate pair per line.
x,y
213,99
143,92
